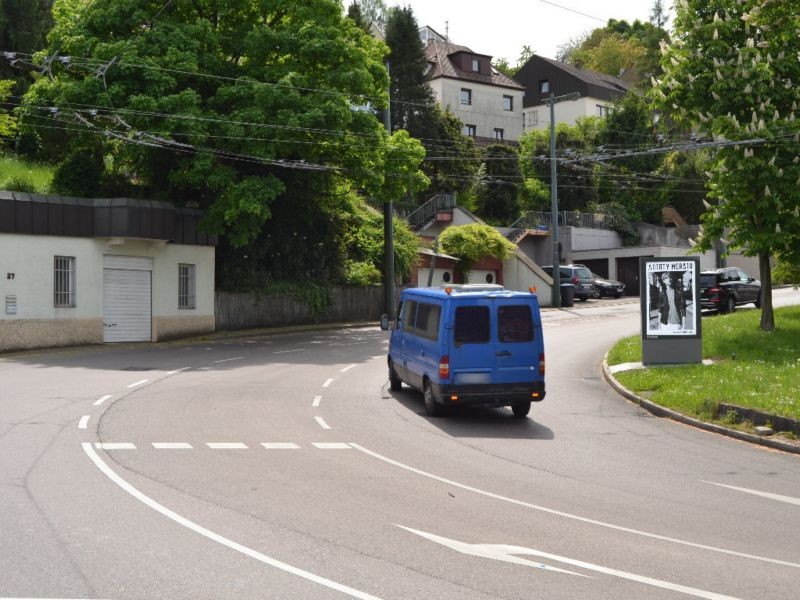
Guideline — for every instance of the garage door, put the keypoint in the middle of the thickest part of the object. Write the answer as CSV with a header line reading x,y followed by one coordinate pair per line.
x,y
127,298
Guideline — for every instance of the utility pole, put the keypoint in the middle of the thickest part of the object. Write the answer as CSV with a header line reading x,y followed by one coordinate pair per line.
x,y
556,290
388,225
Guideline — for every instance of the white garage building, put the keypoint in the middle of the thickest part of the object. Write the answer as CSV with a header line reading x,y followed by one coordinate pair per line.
x,y
85,271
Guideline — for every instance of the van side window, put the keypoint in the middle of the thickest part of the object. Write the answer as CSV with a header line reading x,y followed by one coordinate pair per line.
x,y
514,323
472,325
428,321
408,316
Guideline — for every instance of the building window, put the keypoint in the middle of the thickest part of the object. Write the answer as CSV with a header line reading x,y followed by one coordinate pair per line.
x,y
466,96
64,282
508,102
470,130
534,118
602,111
476,65
544,86
186,286
498,133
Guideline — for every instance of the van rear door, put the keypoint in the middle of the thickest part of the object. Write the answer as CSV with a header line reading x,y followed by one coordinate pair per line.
x,y
472,356
519,341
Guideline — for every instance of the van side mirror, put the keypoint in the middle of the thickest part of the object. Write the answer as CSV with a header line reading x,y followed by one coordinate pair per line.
x,y
385,322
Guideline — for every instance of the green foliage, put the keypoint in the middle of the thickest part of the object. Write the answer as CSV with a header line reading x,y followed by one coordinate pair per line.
x,y
362,273
498,199
8,124
80,174
618,218
470,243
24,24
23,176
786,272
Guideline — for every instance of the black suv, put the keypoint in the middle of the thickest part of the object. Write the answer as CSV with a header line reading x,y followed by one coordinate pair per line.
x,y
725,289
577,275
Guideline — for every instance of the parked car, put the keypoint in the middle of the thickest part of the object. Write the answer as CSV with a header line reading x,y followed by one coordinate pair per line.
x,y
468,344
725,289
579,276
607,287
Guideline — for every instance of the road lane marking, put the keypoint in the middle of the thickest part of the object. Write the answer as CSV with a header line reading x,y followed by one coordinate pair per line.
x,y
114,445
332,445
566,515
216,362
83,422
289,351
322,422
183,521
327,383
178,370
347,368
226,445
280,445
172,446
99,401
141,382
778,497
317,400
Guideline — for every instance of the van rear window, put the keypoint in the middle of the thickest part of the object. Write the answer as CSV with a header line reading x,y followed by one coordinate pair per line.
x,y
514,323
472,325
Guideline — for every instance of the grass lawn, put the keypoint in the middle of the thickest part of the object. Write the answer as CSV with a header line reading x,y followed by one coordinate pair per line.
x,y
752,368
22,176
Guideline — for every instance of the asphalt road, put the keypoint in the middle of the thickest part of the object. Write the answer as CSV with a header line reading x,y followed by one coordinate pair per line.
x,y
283,467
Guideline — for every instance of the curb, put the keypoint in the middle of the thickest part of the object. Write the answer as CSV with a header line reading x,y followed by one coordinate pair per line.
x,y
660,411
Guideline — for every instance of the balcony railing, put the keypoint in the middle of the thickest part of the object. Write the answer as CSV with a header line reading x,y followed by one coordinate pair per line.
x,y
425,213
543,220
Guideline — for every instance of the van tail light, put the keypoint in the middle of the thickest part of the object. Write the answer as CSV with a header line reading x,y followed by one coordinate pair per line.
x,y
575,280
444,367
541,364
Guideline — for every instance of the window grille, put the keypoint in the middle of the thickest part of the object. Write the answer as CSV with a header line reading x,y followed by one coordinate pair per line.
x,y
64,282
186,286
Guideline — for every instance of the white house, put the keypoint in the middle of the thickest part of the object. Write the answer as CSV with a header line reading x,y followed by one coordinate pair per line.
x,y
85,271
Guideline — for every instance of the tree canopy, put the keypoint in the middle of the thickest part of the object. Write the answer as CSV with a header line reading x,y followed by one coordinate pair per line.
x,y
470,243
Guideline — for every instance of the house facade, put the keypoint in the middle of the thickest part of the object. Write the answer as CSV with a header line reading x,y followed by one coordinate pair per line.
x,y
543,76
87,271
487,102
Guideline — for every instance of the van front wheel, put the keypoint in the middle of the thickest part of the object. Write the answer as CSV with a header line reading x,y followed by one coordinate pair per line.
x,y
521,409
432,407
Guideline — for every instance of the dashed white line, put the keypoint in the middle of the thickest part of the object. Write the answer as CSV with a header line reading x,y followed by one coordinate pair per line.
x,y
114,446
347,368
141,382
172,446
280,445
146,500
332,445
83,422
99,401
322,422
216,362
289,351
778,497
327,383
317,400
227,445
178,370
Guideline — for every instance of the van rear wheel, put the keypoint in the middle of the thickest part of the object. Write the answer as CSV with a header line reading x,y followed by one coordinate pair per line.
x,y
394,381
521,409
432,407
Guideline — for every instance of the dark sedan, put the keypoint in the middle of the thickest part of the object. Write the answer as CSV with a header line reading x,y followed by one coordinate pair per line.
x,y
607,287
724,289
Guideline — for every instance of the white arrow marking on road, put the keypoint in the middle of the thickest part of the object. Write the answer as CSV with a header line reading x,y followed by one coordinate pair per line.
x,y
506,553
778,497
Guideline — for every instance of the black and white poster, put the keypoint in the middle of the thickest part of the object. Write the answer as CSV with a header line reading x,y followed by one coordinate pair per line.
x,y
670,298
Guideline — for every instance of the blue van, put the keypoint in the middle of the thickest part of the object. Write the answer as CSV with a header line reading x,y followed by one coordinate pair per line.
x,y
468,344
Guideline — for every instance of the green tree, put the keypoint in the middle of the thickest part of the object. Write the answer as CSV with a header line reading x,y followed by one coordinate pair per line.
x,y
24,25
733,68
498,200
8,124
658,16
470,243
229,105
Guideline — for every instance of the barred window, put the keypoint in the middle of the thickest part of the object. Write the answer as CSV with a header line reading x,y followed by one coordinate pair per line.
x,y
64,282
186,286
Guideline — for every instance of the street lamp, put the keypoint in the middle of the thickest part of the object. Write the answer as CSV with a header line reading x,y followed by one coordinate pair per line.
x,y
551,101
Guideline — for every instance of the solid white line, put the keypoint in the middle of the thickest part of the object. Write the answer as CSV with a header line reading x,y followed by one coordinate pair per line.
x,y
566,515
778,497
289,351
332,445
178,370
146,500
347,368
280,445
114,445
317,400
99,401
216,362
172,446
133,385
83,422
322,422
227,445
327,383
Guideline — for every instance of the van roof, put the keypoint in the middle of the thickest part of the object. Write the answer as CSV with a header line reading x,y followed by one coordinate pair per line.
x,y
466,289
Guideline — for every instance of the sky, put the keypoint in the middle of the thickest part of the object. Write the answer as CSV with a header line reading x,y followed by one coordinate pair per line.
x,y
500,28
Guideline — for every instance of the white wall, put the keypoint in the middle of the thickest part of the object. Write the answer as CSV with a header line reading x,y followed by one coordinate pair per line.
x,y
486,111
567,112
584,238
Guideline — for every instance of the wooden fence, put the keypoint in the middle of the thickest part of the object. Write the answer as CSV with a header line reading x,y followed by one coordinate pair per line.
x,y
251,310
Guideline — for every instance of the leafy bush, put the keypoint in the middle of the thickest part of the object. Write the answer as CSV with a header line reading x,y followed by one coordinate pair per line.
x,y
470,243
786,272
18,184
361,273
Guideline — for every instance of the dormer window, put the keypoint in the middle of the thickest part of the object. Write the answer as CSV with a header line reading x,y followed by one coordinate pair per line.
x,y
476,65
544,86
